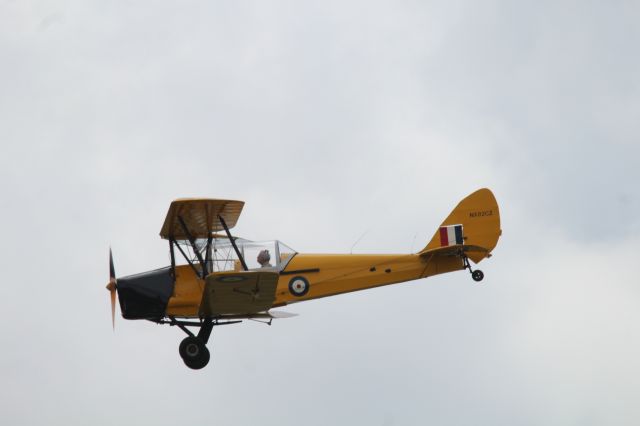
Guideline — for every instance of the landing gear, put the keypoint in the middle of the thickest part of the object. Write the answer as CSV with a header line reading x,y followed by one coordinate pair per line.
x,y
193,349
194,353
477,275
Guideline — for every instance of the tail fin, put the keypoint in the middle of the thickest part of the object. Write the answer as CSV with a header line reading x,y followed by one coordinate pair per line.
x,y
480,219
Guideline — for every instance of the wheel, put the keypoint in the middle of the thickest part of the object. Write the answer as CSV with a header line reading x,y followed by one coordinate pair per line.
x,y
194,353
477,275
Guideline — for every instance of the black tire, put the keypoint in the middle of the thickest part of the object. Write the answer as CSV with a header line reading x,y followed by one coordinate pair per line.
x,y
477,275
201,361
194,353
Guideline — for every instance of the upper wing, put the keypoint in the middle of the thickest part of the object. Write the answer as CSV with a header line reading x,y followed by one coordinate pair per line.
x,y
201,216
238,293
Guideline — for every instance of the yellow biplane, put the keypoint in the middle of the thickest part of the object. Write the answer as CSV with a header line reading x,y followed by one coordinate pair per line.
x,y
227,279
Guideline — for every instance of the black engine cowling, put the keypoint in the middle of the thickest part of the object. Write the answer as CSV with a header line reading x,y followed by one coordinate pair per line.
x,y
145,295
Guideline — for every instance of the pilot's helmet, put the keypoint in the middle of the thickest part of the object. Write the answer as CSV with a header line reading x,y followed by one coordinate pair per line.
x,y
264,257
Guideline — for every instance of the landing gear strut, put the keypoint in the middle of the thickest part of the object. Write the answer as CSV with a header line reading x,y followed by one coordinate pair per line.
x,y
477,275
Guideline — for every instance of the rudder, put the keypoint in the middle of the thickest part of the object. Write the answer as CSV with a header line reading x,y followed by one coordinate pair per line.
x,y
479,216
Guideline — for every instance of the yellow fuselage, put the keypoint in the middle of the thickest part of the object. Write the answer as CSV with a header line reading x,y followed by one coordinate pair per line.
x,y
311,276
326,275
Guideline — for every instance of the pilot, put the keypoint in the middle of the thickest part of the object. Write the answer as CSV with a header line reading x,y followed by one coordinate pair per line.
x,y
263,259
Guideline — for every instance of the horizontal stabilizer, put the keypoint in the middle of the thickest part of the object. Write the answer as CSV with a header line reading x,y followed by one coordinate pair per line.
x,y
455,250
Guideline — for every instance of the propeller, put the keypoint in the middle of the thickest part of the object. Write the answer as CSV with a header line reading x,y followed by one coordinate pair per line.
x,y
112,286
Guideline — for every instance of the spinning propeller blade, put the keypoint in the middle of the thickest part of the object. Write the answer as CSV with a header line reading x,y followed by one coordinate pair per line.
x,y
112,289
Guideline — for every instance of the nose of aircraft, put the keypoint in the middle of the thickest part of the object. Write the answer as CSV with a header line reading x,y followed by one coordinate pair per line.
x,y
145,295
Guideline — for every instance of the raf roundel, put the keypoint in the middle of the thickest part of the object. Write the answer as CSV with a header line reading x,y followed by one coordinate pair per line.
x,y
298,286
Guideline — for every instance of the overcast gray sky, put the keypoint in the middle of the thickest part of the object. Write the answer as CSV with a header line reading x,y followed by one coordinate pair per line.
x,y
329,119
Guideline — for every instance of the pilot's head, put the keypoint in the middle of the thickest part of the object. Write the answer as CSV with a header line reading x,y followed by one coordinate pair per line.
x,y
264,257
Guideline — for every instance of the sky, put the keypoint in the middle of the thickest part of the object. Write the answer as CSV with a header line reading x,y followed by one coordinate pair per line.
x,y
336,123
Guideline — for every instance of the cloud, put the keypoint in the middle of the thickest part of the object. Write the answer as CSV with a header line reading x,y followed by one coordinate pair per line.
x,y
329,120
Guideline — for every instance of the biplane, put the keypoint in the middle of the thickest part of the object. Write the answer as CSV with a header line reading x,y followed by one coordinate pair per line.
x,y
225,279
